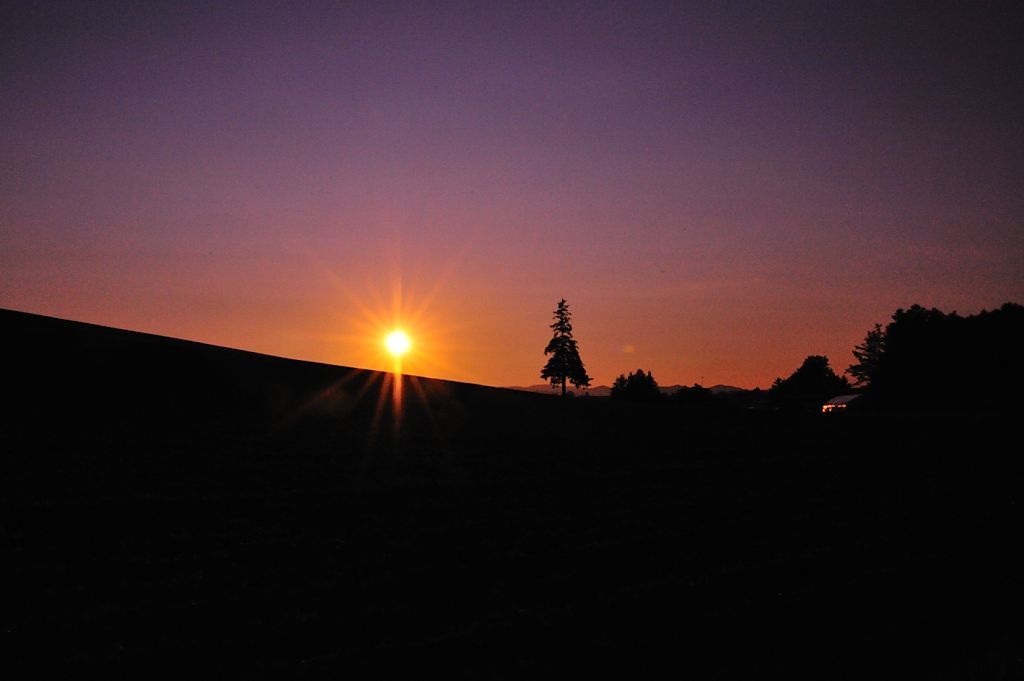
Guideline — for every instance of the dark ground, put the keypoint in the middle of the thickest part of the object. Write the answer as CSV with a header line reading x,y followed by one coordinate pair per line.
x,y
168,505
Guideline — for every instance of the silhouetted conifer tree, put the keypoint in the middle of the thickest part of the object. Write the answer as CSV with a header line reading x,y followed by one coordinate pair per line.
x,y
565,363
869,356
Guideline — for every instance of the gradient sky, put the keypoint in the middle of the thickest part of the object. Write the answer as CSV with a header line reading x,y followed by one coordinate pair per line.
x,y
718,189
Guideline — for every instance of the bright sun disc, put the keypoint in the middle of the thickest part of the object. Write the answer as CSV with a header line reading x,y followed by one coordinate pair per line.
x,y
397,343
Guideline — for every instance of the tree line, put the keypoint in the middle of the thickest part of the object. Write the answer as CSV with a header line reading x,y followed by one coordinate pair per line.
x,y
922,357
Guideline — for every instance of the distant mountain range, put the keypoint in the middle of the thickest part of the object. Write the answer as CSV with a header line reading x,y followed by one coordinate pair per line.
x,y
605,391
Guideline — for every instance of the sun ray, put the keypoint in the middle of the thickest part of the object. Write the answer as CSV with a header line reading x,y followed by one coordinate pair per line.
x,y
400,300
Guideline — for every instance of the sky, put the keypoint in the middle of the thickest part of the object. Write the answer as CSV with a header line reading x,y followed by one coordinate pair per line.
x,y
717,189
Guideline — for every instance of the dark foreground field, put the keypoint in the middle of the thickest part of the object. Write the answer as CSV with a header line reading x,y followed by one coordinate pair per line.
x,y
171,506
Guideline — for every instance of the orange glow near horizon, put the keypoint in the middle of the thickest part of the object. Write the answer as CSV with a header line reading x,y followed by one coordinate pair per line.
x,y
715,201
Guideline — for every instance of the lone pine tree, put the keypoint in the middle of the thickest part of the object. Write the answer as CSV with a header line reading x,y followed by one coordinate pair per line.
x,y
565,363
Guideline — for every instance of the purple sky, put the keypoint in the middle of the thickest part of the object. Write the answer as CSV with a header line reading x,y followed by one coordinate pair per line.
x,y
718,189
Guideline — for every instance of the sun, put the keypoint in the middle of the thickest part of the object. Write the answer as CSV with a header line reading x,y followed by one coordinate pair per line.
x,y
397,343
395,336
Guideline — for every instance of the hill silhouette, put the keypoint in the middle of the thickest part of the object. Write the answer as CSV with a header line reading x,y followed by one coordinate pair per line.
x,y
172,505
74,385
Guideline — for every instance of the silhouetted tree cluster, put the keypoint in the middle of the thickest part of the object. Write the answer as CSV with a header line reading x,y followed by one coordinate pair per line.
x,y
814,381
565,363
695,397
636,387
925,356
